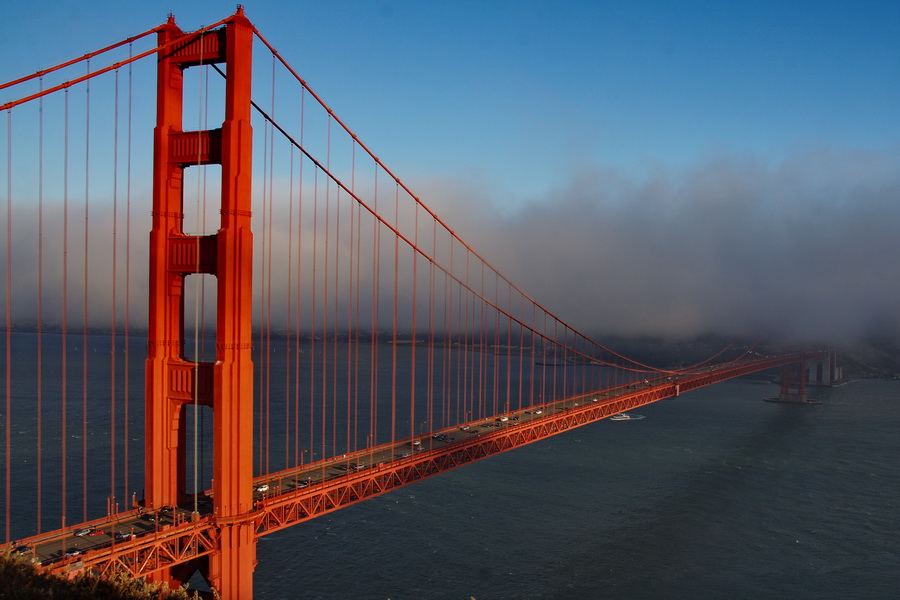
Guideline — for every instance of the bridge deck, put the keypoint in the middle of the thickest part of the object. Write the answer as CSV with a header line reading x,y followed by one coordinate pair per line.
x,y
143,543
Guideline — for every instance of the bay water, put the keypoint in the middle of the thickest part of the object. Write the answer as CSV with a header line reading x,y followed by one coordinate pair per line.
x,y
715,494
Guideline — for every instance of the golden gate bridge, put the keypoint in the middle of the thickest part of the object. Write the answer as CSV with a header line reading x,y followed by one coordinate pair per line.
x,y
300,334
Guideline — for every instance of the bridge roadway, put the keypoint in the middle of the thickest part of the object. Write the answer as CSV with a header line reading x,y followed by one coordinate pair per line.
x,y
142,542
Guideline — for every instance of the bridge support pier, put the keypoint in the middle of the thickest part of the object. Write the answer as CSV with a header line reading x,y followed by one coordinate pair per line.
x,y
232,567
793,384
174,381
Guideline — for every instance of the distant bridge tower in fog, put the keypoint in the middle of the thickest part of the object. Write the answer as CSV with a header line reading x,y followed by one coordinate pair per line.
x,y
819,369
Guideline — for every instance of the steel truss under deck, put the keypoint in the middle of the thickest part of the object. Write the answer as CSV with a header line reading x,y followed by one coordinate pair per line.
x,y
192,538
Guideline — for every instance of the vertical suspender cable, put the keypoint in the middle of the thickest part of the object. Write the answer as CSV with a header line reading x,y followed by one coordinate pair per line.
x,y
412,349
298,453
268,323
477,355
462,365
125,400
301,446
448,337
482,376
312,316
328,392
8,314
260,406
394,339
522,355
335,316
431,338
468,399
546,358
65,325
376,282
509,345
84,323
495,394
325,281
288,314
453,350
314,346
112,354
508,402
560,348
40,311
345,361
353,310
533,360
462,351
362,433
357,308
444,283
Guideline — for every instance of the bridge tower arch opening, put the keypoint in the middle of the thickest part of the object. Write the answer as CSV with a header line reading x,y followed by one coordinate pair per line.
x,y
175,377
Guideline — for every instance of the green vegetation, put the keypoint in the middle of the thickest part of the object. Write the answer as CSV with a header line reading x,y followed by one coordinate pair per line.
x,y
22,580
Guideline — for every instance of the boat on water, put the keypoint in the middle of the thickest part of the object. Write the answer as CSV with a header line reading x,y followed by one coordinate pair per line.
x,y
626,417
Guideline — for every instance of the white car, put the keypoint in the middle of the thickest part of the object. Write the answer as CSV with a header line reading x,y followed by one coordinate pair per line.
x,y
262,488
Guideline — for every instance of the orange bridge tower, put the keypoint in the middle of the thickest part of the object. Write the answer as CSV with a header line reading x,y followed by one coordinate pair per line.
x,y
174,382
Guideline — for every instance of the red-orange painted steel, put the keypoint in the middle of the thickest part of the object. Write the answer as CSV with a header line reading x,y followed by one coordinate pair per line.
x,y
188,541
286,509
221,542
173,382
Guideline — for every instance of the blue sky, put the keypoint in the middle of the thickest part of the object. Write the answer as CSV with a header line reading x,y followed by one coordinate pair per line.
x,y
525,91
712,125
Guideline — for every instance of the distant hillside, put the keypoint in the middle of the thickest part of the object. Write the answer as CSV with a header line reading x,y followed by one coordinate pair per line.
x,y
874,358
